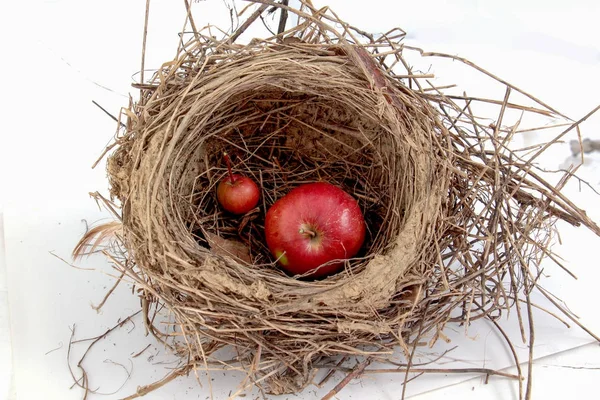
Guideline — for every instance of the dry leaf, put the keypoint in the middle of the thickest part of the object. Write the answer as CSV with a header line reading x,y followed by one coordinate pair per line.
x,y
228,247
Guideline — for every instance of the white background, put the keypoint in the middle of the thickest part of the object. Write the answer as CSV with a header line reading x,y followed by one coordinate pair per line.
x,y
58,56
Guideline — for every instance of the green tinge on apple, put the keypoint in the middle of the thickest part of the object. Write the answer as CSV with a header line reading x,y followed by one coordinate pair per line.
x,y
281,257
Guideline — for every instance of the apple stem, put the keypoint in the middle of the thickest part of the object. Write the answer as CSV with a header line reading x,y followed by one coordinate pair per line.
x,y
308,232
228,162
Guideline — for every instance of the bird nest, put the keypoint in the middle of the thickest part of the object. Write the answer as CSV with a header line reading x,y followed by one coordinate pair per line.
x,y
451,212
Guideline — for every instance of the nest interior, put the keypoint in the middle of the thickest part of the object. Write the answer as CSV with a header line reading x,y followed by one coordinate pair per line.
x,y
448,218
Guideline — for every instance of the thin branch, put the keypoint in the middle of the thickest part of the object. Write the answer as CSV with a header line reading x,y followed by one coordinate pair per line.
x,y
484,371
140,352
144,390
109,114
143,66
283,18
112,289
355,373
253,17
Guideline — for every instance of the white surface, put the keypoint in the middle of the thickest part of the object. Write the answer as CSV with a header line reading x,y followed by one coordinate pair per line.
x,y
72,52
572,374
5,347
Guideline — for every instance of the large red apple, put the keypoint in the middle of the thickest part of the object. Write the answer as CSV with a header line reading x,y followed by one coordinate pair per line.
x,y
312,225
236,193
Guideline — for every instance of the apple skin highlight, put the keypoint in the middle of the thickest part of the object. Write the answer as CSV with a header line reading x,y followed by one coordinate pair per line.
x,y
312,225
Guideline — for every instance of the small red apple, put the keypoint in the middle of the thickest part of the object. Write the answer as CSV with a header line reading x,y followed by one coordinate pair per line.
x,y
312,225
236,193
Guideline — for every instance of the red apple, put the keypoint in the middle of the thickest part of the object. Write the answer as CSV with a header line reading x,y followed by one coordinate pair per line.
x,y
312,225
236,193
